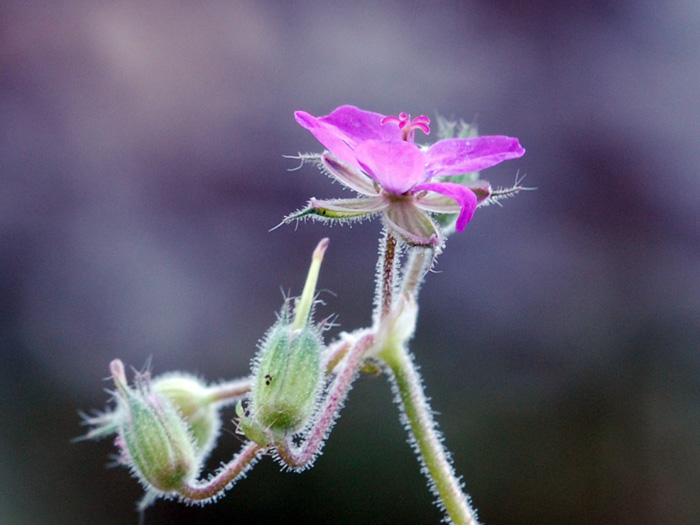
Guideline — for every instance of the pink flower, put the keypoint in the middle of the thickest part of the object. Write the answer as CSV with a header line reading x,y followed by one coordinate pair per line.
x,y
376,156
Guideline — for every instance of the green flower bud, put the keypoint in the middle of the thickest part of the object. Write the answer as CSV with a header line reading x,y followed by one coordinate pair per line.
x,y
288,377
287,374
155,440
192,399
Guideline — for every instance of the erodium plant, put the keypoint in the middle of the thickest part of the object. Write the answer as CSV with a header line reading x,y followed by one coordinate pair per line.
x,y
166,426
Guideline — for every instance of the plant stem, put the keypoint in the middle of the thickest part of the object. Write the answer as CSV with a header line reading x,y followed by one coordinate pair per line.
x,y
230,391
336,352
416,267
202,491
386,275
427,442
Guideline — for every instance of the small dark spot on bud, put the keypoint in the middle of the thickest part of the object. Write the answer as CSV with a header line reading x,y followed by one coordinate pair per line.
x,y
268,379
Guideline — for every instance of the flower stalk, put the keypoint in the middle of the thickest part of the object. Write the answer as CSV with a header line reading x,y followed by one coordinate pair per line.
x,y
427,442
229,392
417,265
386,281
205,491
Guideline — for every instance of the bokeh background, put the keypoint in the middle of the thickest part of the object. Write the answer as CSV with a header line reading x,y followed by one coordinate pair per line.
x,y
141,169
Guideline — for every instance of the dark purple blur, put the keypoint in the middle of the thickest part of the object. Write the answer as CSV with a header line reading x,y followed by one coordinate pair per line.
x,y
141,169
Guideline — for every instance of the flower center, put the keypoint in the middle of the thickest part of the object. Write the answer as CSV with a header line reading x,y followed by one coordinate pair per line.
x,y
408,126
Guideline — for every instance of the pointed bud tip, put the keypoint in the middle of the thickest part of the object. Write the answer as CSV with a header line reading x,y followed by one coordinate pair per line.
x,y
303,305
116,368
321,249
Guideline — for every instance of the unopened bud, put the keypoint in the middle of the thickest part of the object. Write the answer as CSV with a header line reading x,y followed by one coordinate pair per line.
x,y
287,374
288,377
192,399
154,438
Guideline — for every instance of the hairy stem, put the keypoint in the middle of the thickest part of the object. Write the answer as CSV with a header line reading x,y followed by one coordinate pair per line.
x,y
230,391
386,275
225,478
335,354
416,266
427,442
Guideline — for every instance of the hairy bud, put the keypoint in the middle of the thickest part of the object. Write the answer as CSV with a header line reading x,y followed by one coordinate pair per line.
x,y
288,377
155,440
287,372
192,399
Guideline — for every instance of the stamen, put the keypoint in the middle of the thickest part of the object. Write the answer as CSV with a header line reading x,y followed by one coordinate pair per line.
x,y
421,123
409,126
401,120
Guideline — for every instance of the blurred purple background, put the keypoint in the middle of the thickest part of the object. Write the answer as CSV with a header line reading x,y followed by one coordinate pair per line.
x,y
141,167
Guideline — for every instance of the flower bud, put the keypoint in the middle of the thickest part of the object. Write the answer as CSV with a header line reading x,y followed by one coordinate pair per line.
x,y
154,438
287,378
287,374
192,399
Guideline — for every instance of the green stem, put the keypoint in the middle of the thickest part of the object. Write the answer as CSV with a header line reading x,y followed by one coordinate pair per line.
x,y
417,416
416,267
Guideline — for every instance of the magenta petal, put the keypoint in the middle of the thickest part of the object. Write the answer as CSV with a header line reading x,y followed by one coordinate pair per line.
x,y
464,197
330,137
358,125
395,165
345,127
457,156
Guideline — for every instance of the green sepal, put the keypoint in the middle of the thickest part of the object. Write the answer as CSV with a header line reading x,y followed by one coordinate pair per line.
x,y
340,209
